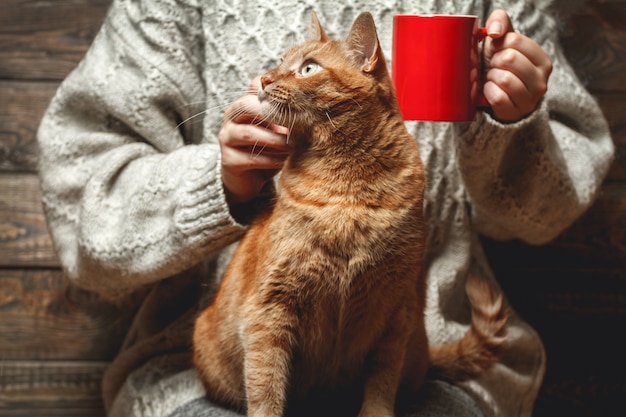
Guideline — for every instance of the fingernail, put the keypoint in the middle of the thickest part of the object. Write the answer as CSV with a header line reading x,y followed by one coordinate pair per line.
x,y
495,28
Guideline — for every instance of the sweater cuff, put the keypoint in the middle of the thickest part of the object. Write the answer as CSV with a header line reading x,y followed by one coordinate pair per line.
x,y
482,132
203,216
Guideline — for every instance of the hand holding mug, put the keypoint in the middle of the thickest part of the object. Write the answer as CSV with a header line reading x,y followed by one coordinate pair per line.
x,y
436,64
517,70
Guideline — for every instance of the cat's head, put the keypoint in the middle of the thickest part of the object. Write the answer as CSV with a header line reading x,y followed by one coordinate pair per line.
x,y
322,80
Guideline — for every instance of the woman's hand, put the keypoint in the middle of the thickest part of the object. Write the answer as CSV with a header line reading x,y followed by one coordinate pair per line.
x,y
517,70
253,151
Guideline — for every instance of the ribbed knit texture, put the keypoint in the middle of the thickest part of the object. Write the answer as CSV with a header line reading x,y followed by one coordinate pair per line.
x,y
134,198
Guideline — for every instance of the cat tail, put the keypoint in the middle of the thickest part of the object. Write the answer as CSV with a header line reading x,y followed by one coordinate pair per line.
x,y
481,346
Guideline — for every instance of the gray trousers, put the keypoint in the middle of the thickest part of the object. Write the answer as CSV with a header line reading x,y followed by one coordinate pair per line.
x,y
435,399
167,387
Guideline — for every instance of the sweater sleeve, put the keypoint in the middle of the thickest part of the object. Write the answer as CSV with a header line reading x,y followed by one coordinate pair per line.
x,y
531,179
130,194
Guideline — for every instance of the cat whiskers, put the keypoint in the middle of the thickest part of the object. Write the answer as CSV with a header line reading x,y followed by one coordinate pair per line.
x,y
220,107
330,119
252,154
190,118
282,118
293,122
265,120
256,150
357,103
277,115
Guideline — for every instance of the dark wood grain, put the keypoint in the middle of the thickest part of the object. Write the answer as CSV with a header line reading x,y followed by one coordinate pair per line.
x,y
46,39
43,317
594,40
56,388
24,238
22,104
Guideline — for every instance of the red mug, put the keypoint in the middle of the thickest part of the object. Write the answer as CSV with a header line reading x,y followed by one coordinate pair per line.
x,y
435,66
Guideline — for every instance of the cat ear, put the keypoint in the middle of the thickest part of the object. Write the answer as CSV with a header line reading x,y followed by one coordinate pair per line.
x,y
363,42
316,32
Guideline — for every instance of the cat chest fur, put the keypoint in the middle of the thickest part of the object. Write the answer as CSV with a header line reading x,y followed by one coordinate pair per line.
x,y
340,281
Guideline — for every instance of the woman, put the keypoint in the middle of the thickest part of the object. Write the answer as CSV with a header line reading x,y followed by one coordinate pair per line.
x,y
143,185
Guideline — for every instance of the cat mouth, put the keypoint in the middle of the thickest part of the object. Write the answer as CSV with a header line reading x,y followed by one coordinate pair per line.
x,y
274,96
276,110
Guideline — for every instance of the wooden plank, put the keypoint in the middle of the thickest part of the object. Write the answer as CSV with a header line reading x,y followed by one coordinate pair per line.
x,y
46,39
43,317
51,389
24,239
22,104
594,40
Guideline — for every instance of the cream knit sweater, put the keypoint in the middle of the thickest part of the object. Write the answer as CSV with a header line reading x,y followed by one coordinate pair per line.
x,y
134,200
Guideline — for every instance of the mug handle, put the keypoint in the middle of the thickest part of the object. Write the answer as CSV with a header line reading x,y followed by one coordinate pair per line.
x,y
481,101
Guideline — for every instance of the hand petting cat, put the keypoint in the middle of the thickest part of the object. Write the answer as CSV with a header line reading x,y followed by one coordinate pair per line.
x,y
517,70
252,150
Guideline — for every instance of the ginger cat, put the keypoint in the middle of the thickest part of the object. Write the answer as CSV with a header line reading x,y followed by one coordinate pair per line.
x,y
325,293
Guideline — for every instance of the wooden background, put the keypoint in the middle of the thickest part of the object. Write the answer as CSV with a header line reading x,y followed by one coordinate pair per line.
x,y
55,340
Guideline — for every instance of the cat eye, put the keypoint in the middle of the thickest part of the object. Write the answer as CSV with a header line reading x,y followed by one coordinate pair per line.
x,y
309,68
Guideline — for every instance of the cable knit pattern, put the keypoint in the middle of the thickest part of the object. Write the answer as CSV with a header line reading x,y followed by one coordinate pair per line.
x,y
133,196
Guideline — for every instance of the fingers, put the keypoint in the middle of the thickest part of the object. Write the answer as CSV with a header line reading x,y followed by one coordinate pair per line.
x,y
518,70
247,110
514,84
244,129
520,43
250,156
498,23
252,149
256,144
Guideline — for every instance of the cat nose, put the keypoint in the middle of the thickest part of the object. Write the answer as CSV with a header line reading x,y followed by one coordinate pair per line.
x,y
265,81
